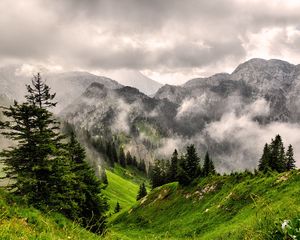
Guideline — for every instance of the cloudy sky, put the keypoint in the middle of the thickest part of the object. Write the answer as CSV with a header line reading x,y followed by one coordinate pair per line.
x,y
168,40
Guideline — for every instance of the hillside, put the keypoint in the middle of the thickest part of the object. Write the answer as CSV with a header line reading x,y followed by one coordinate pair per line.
x,y
18,221
238,206
123,186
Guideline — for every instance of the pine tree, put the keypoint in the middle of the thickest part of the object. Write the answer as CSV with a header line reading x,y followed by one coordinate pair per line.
x,y
117,208
290,161
142,192
36,154
191,161
114,153
208,166
47,173
264,162
91,203
157,175
122,158
277,154
182,175
172,175
142,166
128,158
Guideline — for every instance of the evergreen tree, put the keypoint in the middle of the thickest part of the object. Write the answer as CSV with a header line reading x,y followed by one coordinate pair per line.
x,y
172,175
290,161
47,173
142,166
264,162
122,158
191,161
91,203
142,192
182,175
208,166
109,154
134,162
157,175
114,153
277,154
128,158
117,208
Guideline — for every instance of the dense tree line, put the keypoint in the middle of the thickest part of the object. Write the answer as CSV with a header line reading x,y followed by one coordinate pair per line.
x,y
48,170
114,153
275,158
183,169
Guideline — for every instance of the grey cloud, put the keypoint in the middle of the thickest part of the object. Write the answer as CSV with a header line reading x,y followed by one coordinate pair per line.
x,y
93,34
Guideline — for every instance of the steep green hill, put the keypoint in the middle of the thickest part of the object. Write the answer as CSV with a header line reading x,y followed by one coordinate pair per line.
x,y
123,186
241,206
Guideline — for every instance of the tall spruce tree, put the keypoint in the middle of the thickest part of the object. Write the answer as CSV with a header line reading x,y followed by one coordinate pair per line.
x,y
264,161
277,154
45,174
172,175
191,161
36,155
91,203
290,161
142,192
208,166
122,157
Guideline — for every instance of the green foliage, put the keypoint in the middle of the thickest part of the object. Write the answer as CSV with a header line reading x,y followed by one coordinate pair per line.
x,y
236,206
208,166
47,173
142,192
117,208
18,221
275,158
290,161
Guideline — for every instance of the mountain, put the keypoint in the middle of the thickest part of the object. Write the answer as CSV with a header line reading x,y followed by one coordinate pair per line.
x,y
126,112
230,115
137,80
67,85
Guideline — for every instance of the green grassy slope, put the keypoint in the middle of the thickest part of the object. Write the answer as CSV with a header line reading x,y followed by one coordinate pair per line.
x,y
21,222
221,207
123,186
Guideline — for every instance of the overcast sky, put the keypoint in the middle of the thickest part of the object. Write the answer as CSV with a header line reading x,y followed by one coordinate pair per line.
x,y
168,40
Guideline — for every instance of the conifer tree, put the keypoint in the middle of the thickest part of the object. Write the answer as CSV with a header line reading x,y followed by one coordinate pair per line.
x,y
114,153
290,161
264,162
49,174
208,166
122,158
142,192
191,161
91,203
172,175
277,154
157,174
128,158
182,175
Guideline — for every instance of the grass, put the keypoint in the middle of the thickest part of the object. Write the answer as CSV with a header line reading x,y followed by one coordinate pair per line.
x,y
123,186
18,221
241,206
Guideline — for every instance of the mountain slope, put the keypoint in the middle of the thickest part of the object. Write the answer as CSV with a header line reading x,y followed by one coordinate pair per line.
x,y
230,115
240,206
137,80
18,221
68,86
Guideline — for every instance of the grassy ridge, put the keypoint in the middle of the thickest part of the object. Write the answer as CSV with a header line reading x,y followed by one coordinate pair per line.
x,y
221,207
